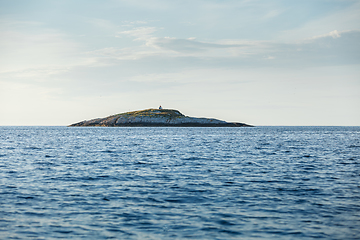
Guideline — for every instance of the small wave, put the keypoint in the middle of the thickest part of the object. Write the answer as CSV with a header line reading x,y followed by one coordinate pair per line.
x,y
131,217
32,148
153,200
141,163
195,158
64,231
118,230
108,151
26,197
105,140
103,176
185,200
89,178
38,214
346,163
226,231
231,232
354,146
41,165
229,182
264,144
174,200
224,222
253,163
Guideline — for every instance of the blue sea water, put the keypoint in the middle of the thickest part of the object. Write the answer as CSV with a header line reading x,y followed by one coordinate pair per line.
x,y
180,183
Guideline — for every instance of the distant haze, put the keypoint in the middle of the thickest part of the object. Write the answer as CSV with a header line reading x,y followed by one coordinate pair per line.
x,y
262,62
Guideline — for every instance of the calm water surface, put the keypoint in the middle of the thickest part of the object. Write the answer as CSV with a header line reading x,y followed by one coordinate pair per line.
x,y
180,183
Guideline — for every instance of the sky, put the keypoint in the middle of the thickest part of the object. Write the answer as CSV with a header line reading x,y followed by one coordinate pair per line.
x,y
261,62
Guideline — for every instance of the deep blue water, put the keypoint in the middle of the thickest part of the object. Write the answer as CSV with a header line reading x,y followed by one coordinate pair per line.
x,y
180,183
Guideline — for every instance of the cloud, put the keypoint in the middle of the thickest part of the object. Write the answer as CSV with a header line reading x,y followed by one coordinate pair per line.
x,y
343,17
132,23
188,45
48,52
139,33
333,48
333,34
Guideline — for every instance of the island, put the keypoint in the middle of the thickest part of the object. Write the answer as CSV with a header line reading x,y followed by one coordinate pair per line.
x,y
155,118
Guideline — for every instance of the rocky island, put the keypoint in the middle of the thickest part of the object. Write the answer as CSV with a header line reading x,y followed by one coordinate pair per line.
x,y
155,118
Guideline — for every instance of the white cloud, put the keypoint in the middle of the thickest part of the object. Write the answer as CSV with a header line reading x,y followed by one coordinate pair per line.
x,y
106,56
132,23
139,33
188,45
333,34
342,20
333,48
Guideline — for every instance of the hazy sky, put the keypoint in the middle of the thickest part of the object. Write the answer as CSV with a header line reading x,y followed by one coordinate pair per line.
x,y
263,62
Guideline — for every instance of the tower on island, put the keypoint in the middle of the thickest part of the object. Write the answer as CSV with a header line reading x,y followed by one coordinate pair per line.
x,y
160,107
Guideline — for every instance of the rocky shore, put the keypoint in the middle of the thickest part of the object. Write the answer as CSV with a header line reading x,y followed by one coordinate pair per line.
x,y
155,118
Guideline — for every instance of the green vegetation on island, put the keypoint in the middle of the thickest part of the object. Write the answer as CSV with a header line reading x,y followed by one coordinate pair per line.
x,y
168,113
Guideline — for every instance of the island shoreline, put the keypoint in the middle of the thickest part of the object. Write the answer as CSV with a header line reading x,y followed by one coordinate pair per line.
x,y
156,118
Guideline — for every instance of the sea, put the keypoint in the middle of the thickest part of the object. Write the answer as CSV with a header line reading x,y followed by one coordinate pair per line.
x,y
179,183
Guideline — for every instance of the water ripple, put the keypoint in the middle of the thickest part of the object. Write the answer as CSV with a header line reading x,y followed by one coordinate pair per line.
x,y
177,183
